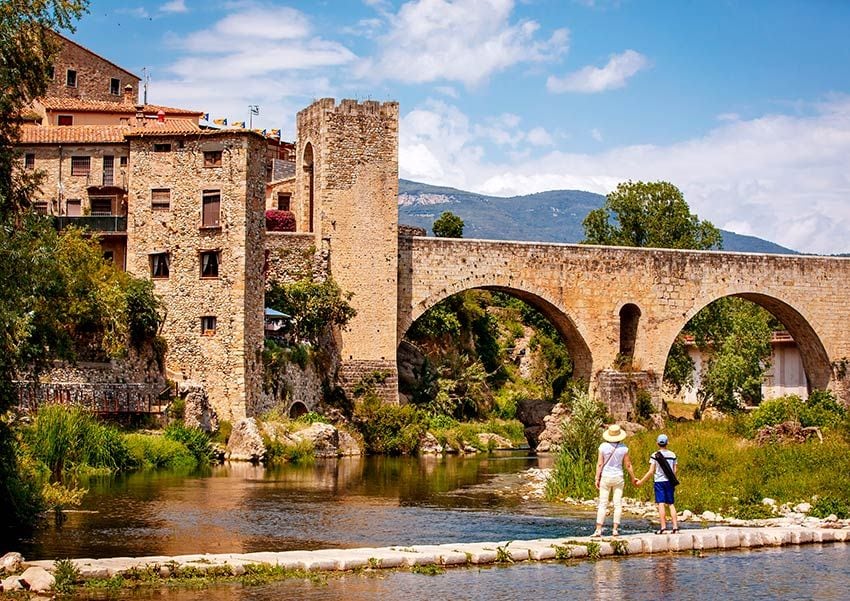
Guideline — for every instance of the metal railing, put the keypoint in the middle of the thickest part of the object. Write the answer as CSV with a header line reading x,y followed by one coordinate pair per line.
x,y
97,398
97,223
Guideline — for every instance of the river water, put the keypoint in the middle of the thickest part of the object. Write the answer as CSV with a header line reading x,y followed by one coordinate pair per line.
x,y
384,501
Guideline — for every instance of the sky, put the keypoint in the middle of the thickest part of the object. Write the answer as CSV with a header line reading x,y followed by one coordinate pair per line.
x,y
744,105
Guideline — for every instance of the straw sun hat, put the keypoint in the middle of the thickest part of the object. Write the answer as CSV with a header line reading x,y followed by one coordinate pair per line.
x,y
614,433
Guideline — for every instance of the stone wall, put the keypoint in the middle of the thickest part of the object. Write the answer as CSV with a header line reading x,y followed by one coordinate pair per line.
x,y
293,256
618,392
93,74
228,361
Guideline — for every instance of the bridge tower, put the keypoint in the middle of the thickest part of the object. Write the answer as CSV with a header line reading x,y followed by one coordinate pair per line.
x,y
346,184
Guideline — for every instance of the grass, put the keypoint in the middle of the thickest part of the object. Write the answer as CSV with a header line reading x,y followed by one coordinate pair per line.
x,y
725,472
150,451
456,434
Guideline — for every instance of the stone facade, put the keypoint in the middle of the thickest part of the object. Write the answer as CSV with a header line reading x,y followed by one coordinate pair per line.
x,y
214,323
94,74
346,184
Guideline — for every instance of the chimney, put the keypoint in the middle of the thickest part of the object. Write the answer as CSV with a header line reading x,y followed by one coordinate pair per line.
x,y
129,94
160,116
140,114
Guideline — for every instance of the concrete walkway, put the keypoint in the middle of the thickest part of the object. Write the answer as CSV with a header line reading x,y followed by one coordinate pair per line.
x,y
461,554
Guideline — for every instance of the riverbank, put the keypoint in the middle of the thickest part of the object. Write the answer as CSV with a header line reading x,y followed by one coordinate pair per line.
x,y
207,568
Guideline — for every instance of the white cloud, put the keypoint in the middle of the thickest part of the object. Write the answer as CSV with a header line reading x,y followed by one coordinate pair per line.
x,y
785,178
596,134
590,80
139,12
447,91
728,117
461,40
174,6
539,137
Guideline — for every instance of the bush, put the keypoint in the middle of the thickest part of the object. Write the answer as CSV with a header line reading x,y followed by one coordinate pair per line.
x,y
280,221
281,452
821,410
388,429
194,439
825,506
223,434
150,451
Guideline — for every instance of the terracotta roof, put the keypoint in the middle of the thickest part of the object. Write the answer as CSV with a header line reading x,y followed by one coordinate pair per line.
x,y
155,128
103,134
46,134
80,105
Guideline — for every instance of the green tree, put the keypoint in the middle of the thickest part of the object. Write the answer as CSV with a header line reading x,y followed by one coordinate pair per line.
x,y
649,214
448,225
313,306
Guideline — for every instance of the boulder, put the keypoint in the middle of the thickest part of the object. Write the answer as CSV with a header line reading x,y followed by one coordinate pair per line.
x,y
553,428
531,413
712,414
429,445
245,443
11,563
498,442
803,508
323,437
348,444
12,583
198,412
790,431
37,579
632,428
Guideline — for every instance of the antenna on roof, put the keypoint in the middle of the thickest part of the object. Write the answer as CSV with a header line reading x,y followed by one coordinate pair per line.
x,y
253,109
145,79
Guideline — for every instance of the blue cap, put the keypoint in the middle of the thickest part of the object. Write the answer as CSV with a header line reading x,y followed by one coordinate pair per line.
x,y
662,439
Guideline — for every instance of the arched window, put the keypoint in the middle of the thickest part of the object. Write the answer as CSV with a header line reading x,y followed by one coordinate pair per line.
x,y
629,318
307,165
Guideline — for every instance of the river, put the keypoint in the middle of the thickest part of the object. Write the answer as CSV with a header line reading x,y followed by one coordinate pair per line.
x,y
383,501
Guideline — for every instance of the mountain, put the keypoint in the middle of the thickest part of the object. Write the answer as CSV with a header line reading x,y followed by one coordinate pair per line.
x,y
553,216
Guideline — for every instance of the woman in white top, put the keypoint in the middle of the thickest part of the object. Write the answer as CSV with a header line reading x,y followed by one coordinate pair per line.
x,y
613,456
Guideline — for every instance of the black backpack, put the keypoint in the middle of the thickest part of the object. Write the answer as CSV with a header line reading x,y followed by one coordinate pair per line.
x,y
665,467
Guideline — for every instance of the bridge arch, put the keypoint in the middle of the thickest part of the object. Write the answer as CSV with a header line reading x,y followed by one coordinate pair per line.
x,y
816,362
573,338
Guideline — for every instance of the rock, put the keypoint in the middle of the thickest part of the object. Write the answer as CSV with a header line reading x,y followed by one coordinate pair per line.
x,y
531,413
790,431
709,516
429,445
348,444
553,427
713,414
12,583
323,437
768,501
37,579
245,443
831,518
687,515
198,412
632,428
468,449
410,361
656,421
803,508
543,447
10,563
497,442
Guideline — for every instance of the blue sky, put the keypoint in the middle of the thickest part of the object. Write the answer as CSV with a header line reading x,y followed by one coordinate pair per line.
x,y
743,105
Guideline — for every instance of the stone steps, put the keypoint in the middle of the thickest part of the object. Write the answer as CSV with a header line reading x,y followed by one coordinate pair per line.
x,y
460,554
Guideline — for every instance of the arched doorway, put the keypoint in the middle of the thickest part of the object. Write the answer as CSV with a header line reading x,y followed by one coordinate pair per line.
x,y
629,318
297,409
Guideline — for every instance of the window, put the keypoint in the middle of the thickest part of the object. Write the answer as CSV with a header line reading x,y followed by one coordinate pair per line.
x,y
80,165
29,161
71,78
101,205
208,325
123,161
212,158
161,199
211,211
115,86
51,72
162,147
283,201
209,263
108,170
73,207
40,207
65,120
159,265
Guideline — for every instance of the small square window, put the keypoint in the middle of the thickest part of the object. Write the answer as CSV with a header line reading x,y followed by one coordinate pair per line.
x,y
40,207
283,201
211,209
161,199
65,120
100,205
71,78
212,158
209,263
80,165
208,323
29,161
73,207
162,147
123,161
115,86
159,265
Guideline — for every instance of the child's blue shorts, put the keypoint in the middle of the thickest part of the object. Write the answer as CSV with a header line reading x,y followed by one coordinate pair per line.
x,y
664,492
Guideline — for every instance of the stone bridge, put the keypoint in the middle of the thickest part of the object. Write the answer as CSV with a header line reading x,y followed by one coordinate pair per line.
x,y
607,301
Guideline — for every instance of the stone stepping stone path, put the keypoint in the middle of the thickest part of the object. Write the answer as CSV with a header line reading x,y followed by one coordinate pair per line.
x,y
462,554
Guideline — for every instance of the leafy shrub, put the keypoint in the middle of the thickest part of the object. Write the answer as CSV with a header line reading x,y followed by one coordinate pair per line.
x,y
153,451
776,411
752,511
386,428
67,575
223,434
643,404
825,506
820,410
311,417
280,221
177,408
278,451
194,439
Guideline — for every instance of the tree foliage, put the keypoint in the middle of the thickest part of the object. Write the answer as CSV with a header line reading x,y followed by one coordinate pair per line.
x,y
312,306
649,214
448,225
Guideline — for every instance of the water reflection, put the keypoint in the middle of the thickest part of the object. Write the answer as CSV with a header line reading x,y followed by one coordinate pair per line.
x,y
355,501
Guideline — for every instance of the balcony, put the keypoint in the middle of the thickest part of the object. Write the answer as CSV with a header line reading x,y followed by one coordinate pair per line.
x,y
94,223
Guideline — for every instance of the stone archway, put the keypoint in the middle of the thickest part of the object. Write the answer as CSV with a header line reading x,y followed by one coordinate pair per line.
x,y
297,409
816,362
